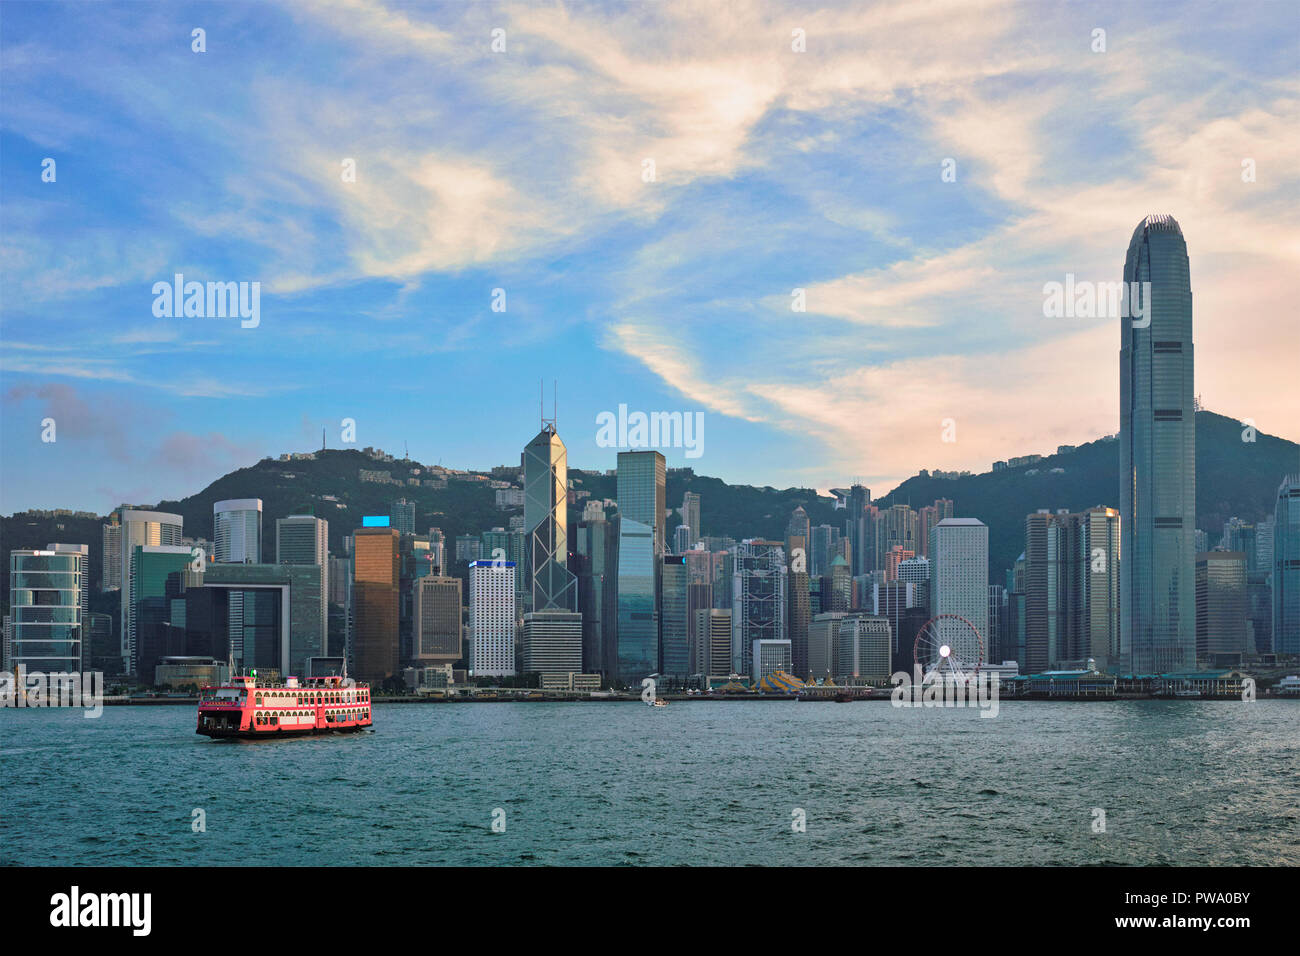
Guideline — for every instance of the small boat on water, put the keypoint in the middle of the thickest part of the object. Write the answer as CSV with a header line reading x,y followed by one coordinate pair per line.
x,y
658,702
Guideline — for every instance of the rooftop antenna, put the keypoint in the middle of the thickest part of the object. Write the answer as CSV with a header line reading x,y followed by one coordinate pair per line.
x,y
322,438
548,424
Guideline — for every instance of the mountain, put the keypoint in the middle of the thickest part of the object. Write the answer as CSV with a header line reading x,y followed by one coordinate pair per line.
x,y
1234,477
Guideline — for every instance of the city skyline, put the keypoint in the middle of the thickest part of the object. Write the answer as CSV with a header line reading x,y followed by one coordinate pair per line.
x,y
672,294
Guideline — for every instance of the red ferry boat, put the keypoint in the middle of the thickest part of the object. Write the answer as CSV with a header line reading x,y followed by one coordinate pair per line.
x,y
247,707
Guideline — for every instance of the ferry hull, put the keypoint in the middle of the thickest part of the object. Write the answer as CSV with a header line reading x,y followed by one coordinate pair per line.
x,y
275,733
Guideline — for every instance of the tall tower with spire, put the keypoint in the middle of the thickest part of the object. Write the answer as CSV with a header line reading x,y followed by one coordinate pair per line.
x,y
546,489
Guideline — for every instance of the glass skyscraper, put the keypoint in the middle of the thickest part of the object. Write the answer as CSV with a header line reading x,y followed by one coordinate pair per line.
x,y
1157,457
638,607
48,605
546,517
642,495
642,501
1286,567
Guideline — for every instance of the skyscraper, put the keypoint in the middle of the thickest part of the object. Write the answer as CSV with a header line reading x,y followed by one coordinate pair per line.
x,y
637,627
596,563
49,594
758,602
690,512
798,526
683,539
959,572
897,527
437,620
492,618
237,539
713,627
110,574
402,516
546,518
858,527
157,579
641,486
1221,609
139,528
304,540
375,586
1071,588
237,531
1286,567
642,477
1157,455
865,648
674,625
819,547
799,618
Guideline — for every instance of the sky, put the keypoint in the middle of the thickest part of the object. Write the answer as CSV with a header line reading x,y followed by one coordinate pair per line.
x,y
649,183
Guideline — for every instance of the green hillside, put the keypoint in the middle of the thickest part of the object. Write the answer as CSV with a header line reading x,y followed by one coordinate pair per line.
x,y
1233,478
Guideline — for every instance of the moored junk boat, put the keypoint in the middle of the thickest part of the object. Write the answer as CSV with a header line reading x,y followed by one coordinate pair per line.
x,y
251,708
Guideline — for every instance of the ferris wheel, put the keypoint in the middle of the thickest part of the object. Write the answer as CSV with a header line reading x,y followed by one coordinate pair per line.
x,y
948,647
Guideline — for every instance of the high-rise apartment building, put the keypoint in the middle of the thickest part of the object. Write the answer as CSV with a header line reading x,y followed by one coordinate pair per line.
x,y
1157,455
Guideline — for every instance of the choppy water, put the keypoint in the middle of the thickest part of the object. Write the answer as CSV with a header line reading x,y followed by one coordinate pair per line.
x,y
694,783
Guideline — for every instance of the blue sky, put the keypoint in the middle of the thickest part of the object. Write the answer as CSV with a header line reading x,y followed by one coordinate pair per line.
x,y
523,170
